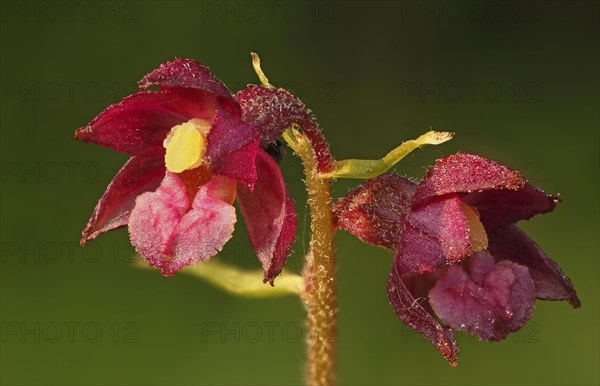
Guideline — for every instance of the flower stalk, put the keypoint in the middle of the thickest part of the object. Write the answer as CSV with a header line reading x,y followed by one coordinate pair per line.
x,y
240,282
320,297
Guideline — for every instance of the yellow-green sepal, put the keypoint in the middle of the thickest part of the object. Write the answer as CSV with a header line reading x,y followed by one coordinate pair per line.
x,y
364,168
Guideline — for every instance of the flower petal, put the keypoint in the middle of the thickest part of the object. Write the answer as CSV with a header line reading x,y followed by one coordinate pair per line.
x,y
411,312
286,239
205,229
169,235
184,73
274,110
269,215
495,300
140,122
375,210
504,207
154,220
138,175
239,165
433,235
232,146
513,244
465,173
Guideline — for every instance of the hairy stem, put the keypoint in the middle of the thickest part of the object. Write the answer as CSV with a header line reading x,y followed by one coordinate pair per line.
x,y
319,272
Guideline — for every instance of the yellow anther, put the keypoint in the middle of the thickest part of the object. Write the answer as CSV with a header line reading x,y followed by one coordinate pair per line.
x,y
477,235
185,145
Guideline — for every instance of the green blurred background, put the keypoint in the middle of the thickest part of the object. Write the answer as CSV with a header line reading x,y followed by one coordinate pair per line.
x,y
517,82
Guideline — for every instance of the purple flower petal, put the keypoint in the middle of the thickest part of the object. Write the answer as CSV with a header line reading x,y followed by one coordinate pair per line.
x,y
434,235
171,235
232,146
490,301
511,243
138,175
269,215
504,207
185,73
411,312
140,122
274,110
465,173
375,210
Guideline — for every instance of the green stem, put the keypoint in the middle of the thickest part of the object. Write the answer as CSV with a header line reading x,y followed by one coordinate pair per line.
x,y
320,297
247,283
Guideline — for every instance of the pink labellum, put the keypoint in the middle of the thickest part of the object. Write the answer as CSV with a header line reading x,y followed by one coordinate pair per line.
x,y
171,233
490,300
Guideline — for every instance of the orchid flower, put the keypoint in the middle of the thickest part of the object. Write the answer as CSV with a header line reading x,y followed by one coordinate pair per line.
x,y
191,156
460,263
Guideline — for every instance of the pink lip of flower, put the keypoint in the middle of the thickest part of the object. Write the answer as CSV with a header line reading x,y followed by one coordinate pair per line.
x,y
179,218
459,256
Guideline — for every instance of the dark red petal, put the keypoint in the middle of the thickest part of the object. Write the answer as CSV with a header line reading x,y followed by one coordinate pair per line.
x,y
239,165
495,300
286,239
138,175
184,73
465,173
269,215
274,110
140,122
511,243
232,146
504,207
411,312
375,210
434,235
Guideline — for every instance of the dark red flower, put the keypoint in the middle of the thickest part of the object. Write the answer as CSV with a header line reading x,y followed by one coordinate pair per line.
x,y
192,154
459,257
